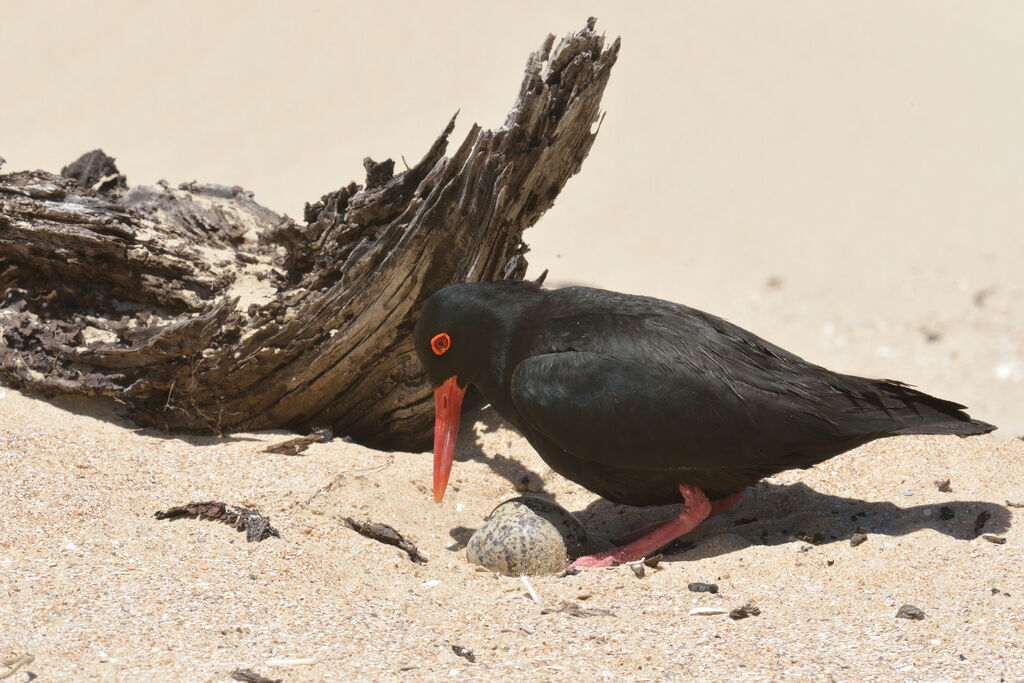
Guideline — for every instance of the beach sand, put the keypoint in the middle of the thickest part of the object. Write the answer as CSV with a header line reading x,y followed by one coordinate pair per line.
x,y
95,587
841,179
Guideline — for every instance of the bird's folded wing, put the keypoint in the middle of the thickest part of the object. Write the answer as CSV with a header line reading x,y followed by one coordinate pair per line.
x,y
618,413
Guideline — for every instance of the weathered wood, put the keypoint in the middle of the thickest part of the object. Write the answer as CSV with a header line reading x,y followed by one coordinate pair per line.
x,y
201,310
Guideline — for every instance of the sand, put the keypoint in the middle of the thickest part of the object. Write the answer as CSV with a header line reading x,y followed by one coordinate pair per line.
x,y
96,588
841,178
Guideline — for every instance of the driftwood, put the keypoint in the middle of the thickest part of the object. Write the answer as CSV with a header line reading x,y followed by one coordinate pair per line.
x,y
201,310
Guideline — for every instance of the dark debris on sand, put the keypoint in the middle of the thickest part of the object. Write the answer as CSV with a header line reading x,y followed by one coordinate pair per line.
x,y
747,610
464,653
910,612
386,534
300,444
250,676
257,527
701,587
858,538
817,539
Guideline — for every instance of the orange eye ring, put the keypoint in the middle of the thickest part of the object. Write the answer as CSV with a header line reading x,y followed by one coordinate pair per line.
x,y
440,343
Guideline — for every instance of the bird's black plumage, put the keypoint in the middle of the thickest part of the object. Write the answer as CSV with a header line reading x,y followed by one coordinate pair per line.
x,y
632,396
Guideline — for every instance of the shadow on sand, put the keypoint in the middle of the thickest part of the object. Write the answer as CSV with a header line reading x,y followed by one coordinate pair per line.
x,y
766,514
771,514
508,468
109,410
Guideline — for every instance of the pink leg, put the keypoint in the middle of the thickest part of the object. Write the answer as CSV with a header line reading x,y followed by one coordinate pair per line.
x,y
697,509
717,507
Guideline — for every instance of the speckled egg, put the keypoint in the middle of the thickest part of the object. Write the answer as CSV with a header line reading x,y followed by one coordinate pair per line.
x,y
527,535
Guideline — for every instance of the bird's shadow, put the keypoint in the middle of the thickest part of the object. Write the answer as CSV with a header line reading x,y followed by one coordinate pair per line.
x,y
771,514
508,468
460,537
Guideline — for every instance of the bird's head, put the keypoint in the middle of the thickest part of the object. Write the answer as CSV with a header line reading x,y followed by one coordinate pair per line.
x,y
460,339
448,337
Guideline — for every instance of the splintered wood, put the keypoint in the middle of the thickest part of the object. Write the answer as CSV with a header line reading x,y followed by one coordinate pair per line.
x,y
201,310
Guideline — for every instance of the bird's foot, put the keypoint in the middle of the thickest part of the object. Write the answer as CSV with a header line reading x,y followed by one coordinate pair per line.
x,y
717,507
596,561
696,510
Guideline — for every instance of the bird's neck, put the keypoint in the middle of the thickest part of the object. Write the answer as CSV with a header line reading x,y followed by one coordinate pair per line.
x,y
494,376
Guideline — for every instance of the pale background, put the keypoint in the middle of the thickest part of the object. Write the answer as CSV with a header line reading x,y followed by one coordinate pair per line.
x,y
868,157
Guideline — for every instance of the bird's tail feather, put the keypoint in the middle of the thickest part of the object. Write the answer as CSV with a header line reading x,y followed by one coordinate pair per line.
x,y
919,413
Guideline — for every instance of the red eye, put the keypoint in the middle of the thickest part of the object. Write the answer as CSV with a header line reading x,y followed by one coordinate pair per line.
x,y
440,343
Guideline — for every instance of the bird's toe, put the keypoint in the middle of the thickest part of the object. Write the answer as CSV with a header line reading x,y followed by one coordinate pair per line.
x,y
595,561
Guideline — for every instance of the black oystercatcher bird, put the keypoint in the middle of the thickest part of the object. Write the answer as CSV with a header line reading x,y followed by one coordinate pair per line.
x,y
647,402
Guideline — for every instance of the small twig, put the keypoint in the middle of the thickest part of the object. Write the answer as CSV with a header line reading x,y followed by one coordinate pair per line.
x,y
257,527
170,391
386,534
299,444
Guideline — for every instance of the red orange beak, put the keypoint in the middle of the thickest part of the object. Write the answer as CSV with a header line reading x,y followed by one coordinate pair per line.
x,y
448,406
